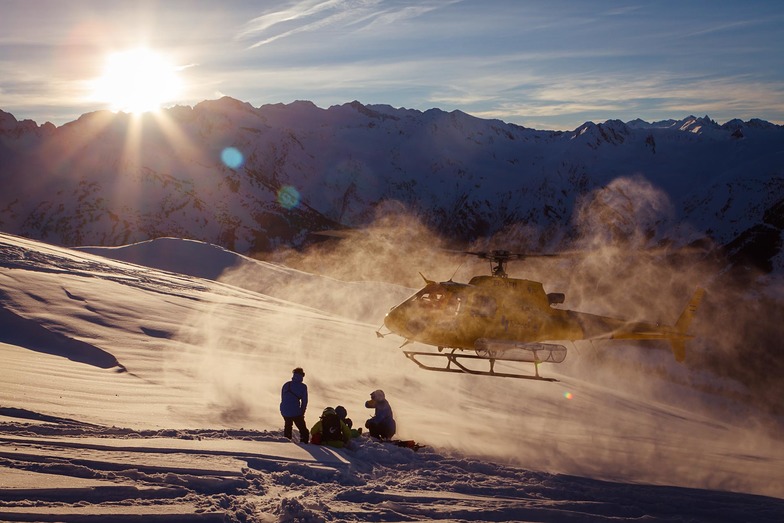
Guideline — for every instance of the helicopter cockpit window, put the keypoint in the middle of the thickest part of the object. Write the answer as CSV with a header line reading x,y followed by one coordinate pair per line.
x,y
438,299
434,299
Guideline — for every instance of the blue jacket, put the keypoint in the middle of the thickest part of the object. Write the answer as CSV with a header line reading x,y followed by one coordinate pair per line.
x,y
383,417
294,397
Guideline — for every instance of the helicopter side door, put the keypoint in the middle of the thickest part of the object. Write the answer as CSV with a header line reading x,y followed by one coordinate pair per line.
x,y
512,309
483,306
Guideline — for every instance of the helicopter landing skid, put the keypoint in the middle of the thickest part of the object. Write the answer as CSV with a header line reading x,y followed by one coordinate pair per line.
x,y
453,358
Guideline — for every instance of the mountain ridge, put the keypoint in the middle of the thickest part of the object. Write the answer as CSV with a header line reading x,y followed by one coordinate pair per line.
x,y
112,179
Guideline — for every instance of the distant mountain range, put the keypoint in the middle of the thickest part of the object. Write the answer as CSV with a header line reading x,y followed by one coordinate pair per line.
x,y
253,179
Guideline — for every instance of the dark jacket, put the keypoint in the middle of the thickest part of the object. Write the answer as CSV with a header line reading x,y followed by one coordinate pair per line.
x,y
294,397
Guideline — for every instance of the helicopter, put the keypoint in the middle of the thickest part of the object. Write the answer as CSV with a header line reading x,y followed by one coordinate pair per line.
x,y
497,318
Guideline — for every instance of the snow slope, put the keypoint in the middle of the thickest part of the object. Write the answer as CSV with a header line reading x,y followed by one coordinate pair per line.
x,y
138,394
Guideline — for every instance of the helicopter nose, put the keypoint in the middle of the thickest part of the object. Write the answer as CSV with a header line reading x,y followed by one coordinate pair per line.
x,y
392,321
399,323
415,326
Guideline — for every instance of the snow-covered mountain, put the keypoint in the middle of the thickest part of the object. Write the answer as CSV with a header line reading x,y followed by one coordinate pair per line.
x,y
252,179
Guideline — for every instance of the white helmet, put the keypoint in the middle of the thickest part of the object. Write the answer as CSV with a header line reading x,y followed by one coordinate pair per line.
x,y
377,395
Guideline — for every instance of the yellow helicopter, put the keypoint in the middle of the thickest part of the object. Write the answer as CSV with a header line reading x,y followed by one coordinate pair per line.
x,y
498,318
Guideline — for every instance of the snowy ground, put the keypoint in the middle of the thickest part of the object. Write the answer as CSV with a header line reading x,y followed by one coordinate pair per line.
x,y
135,394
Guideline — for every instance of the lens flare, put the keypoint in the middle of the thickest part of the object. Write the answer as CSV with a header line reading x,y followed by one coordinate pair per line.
x,y
568,395
232,157
288,197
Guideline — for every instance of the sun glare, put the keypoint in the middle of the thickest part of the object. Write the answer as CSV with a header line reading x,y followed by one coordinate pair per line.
x,y
136,81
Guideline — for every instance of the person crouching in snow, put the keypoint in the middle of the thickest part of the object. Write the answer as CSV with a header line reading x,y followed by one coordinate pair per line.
x,y
382,424
342,413
330,430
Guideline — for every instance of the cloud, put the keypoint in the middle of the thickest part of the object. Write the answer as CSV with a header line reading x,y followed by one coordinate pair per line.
x,y
625,96
304,17
338,15
522,63
722,28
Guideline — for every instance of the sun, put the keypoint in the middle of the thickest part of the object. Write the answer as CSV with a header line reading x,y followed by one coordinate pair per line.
x,y
137,81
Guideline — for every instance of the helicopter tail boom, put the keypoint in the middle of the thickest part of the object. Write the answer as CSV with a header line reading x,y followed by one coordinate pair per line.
x,y
676,335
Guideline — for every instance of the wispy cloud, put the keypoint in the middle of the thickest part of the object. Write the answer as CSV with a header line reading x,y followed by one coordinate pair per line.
x,y
731,26
302,17
315,15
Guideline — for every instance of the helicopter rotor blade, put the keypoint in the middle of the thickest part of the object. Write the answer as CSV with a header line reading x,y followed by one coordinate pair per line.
x,y
500,255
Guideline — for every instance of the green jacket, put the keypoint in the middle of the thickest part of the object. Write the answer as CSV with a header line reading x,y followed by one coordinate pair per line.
x,y
316,432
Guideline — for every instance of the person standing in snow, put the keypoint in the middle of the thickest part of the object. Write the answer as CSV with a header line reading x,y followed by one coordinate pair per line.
x,y
382,424
293,403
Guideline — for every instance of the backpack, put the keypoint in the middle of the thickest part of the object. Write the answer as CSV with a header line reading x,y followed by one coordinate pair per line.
x,y
330,428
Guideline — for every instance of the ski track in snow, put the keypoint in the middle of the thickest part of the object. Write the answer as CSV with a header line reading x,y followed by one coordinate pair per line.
x,y
134,394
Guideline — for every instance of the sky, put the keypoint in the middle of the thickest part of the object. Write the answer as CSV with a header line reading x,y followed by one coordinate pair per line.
x,y
544,65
